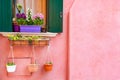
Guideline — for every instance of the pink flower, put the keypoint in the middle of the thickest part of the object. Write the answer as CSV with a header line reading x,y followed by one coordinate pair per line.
x,y
34,17
38,15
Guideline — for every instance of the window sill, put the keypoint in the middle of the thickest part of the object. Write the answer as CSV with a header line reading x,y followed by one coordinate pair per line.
x,y
46,34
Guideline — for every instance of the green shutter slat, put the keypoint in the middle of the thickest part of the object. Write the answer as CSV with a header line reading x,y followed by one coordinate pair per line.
x,y
54,10
5,15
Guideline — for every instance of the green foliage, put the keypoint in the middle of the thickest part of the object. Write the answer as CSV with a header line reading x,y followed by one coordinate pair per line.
x,y
20,37
19,8
38,21
10,64
15,37
22,21
49,62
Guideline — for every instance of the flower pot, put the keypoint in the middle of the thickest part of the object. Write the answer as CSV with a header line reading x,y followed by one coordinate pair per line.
x,y
11,68
30,28
48,67
33,67
16,27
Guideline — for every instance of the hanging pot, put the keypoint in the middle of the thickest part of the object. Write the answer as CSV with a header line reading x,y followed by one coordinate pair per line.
x,y
33,67
48,67
11,68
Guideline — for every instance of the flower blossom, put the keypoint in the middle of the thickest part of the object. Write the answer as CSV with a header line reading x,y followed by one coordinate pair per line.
x,y
38,15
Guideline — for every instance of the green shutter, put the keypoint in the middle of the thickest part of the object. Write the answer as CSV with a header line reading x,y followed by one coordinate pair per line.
x,y
54,15
5,15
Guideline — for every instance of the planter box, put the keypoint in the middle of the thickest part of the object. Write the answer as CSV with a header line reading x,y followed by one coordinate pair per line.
x,y
40,43
26,42
30,28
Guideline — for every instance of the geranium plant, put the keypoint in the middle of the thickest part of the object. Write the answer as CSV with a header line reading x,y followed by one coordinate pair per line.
x,y
38,19
21,18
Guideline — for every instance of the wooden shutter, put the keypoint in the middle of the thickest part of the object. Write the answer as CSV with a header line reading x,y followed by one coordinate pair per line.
x,y
5,15
54,15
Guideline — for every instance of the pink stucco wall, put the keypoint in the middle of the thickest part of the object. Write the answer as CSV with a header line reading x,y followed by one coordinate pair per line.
x,y
94,40
88,48
58,54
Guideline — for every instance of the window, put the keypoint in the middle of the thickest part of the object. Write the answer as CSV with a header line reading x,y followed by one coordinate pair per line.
x,y
52,10
36,6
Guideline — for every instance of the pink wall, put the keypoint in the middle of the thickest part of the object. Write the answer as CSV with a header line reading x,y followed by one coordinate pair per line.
x,y
58,54
91,37
94,40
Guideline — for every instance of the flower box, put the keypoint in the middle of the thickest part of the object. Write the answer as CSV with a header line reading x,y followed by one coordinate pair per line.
x,y
40,43
27,42
30,28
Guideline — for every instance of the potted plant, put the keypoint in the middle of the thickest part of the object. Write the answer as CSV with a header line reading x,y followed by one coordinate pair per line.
x,y
20,20
15,39
11,67
33,67
48,66
29,23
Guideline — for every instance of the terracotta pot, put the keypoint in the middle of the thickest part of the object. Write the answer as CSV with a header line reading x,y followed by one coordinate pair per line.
x,y
48,67
40,43
16,42
24,42
33,67
36,42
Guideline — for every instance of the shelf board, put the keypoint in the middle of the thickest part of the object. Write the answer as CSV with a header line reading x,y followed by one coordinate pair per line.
x,y
46,34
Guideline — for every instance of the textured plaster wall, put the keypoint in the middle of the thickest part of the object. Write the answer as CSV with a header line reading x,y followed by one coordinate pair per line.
x,y
58,54
94,40
92,33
